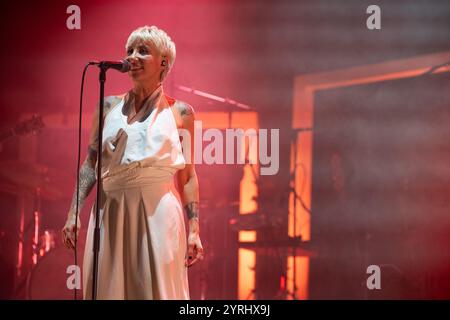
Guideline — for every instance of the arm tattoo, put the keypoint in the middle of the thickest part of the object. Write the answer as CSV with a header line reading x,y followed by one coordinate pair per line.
x,y
87,181
87,170
192,210
186,110
92,155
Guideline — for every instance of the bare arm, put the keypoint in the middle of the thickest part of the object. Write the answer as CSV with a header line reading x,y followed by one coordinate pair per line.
x,y
187,177
189,190
87,180
188,183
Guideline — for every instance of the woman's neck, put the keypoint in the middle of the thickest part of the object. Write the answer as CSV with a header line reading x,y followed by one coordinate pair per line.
x,y
142,92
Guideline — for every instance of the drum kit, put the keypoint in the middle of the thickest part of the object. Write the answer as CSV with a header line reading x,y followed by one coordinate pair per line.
x,y
41,265
41,258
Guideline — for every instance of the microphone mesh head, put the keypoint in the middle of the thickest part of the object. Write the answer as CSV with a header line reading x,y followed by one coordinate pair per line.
x,y
126,66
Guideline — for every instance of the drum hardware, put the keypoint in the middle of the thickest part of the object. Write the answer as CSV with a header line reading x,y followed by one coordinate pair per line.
x,y
47,243
37,219
33,125
47,280
292,246
289,247
255,221
32,182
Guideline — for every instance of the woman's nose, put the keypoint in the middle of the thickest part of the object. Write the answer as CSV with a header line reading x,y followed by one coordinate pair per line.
x,y
132,58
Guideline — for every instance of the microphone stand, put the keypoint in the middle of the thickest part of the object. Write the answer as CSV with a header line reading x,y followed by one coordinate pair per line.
x,y
96,248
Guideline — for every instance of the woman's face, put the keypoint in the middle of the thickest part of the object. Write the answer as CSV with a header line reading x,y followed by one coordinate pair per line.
x,y
145,62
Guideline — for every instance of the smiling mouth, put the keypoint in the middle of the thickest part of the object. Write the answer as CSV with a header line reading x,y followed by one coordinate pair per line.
x,y
136,69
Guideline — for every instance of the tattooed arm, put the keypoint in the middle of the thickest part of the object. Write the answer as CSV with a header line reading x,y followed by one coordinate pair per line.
x,y
87,179
87,182
189,189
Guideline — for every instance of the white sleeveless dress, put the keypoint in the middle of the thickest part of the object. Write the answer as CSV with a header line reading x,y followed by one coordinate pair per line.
x,y
142,235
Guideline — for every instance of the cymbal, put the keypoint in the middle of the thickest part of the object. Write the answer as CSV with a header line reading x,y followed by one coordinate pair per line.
x,y
35,179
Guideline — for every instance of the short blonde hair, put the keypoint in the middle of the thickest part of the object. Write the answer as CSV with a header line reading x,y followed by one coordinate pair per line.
x,y
160,40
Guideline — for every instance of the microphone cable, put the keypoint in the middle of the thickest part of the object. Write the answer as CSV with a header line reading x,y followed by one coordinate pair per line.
x,y
78,172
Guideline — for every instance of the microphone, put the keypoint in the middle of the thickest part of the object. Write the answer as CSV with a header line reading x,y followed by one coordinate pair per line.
x,y
119,65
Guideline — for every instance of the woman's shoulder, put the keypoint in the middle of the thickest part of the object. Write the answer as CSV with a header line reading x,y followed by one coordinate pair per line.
x,y
182,110
182,107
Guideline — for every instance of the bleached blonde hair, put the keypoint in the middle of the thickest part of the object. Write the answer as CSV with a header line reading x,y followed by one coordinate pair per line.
x,y
160,40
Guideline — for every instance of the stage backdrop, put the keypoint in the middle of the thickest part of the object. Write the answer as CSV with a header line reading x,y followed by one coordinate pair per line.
x,y
380,194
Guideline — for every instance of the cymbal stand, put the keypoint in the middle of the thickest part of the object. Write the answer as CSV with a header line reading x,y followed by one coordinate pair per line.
x,y
19,264
37,218
24,228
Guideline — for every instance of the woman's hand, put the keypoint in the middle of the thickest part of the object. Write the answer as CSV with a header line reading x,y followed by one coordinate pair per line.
x,y
68,232
195,249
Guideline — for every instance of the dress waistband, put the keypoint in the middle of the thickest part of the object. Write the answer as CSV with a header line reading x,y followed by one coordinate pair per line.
x,y
134,175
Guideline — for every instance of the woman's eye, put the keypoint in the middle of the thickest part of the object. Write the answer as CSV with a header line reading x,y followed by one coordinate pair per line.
x,y
129,52
143,51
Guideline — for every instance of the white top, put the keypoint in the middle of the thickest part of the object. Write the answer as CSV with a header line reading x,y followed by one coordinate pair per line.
x,y
154,142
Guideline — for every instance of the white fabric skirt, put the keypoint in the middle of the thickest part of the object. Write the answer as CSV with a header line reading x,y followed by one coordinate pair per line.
x,y
142,238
